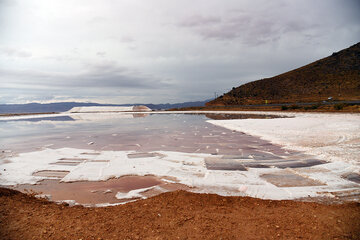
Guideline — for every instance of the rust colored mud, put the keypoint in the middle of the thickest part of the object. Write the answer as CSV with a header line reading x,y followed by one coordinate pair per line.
x,y
95,192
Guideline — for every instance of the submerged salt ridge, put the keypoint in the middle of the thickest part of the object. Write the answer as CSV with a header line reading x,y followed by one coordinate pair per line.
x,y
187,168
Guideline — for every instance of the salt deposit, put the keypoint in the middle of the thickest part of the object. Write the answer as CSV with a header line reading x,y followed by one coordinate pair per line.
x,y
185,168
332,137
97,109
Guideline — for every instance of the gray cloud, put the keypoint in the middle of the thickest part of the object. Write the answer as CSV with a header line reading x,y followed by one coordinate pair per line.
x,y
103,83
102,76
10,52
101,54
126,39
198,21
251,29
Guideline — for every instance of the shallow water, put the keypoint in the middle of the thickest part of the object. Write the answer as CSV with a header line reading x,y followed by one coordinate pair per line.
x,y
97,192
140,132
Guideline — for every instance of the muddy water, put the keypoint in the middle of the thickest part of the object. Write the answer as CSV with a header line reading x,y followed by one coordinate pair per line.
x,y
173,132
86,192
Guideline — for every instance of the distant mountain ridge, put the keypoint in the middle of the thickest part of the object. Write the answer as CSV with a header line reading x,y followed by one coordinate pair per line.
x,y
336,76
65,106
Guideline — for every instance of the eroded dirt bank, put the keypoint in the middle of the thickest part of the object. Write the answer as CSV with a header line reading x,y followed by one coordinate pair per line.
x,y
177,215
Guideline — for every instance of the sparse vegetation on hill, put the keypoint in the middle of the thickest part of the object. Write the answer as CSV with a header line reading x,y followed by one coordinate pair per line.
x,y
336,76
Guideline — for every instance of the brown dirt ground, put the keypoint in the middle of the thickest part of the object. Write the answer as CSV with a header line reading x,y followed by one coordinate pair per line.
x,y
177,215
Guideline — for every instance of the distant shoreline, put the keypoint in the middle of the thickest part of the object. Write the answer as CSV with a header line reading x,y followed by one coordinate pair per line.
x,y
22,114
291,107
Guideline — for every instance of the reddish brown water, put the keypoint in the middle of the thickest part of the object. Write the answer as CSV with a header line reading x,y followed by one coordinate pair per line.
x,y
87,192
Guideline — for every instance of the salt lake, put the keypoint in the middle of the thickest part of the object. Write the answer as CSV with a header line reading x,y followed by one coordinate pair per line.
x,y
113,158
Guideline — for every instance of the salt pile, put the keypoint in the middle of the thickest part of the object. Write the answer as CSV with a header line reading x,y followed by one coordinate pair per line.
x,y
98,109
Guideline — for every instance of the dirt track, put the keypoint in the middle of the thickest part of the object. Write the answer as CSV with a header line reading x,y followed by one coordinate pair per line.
x,y
177,215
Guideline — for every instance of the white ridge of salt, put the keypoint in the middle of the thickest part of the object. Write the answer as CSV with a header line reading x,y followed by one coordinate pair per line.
x,y
71,203
110,204
185,168
20,169
98,109
136,193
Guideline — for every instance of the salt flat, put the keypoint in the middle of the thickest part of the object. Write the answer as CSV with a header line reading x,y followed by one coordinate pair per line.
x,y
331,137
183,149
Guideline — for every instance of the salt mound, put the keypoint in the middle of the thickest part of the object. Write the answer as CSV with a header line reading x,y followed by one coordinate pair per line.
x,y
95,109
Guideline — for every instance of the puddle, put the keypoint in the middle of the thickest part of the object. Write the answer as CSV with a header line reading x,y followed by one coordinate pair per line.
x,y
223,164
288,179
354,177
65,163
299,164
51,173
144,155
92,193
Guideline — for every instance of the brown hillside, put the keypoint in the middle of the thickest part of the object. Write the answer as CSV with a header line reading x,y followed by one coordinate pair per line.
x,y
337,76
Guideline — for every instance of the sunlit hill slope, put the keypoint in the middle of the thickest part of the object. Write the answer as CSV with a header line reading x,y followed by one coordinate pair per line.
x,y
336,76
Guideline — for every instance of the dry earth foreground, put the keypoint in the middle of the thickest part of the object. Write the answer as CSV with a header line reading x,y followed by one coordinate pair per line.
x,y
177,215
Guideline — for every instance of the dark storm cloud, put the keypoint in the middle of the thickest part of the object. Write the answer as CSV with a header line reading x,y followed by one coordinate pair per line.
x,y
102,76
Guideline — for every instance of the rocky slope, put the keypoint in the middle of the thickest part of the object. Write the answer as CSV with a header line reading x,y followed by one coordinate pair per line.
x,y
336,76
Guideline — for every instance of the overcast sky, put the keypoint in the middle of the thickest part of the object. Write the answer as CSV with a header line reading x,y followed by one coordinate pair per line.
x,y
158,51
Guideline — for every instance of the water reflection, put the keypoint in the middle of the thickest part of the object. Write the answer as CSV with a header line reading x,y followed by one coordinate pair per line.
x,y
54,119
75,117
107,116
